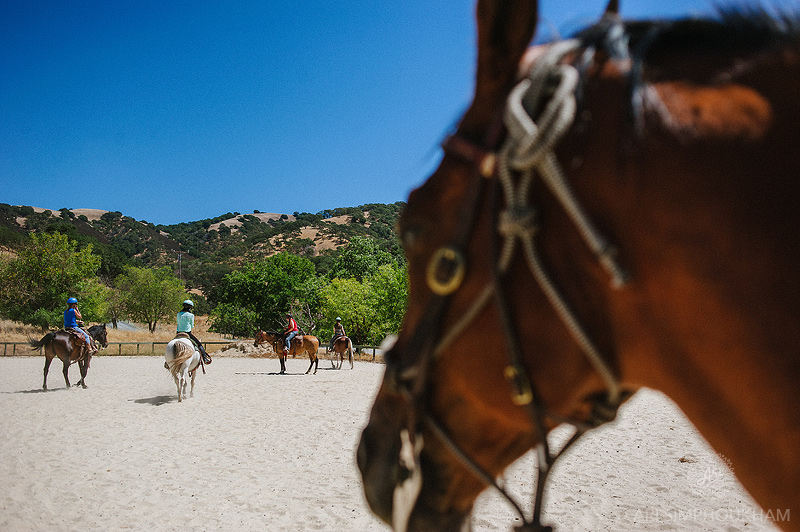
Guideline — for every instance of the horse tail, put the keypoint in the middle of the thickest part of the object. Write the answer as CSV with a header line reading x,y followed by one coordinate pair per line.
x,y
38,345
182,353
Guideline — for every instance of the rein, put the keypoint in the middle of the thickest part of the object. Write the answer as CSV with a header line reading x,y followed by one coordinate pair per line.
x,y
526,152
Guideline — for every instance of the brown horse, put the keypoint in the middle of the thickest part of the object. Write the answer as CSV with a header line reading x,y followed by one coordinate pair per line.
x,y
683,154
300,344
63,344
341,346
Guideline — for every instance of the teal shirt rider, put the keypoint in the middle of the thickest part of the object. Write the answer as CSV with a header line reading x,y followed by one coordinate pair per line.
x,y
185,321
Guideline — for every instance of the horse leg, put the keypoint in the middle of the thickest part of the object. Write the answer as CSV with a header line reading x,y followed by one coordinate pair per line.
x,y
178,384
83,365
191,390
282,358
311,358
47,361
185,379
350,356
65,371
316,363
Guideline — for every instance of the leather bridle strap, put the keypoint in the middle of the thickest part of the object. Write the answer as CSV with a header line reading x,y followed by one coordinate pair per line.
x,y
527,148
445,265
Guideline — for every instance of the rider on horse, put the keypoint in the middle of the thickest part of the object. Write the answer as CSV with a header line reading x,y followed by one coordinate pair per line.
x,y
289,332
338,331
71,323
185,321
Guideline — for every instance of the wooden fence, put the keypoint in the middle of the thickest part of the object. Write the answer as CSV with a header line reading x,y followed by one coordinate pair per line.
x,y
149,348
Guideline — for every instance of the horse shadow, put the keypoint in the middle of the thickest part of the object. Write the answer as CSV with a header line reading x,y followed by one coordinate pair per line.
x,y
158,400
40,390
285,374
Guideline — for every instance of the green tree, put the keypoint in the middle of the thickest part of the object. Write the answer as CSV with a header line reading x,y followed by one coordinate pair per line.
x,y
389,296
116,306
359,259
268,287
371,309
49,269
348,299
228,318
149,295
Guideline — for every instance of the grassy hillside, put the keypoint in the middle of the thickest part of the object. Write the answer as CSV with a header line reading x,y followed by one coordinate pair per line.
x,y
202,251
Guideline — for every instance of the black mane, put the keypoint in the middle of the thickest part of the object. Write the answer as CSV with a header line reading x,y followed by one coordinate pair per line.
x,y
659,49
734,31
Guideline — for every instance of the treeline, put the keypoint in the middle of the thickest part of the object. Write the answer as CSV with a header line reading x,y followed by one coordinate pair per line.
x,y
124,269
366,287
200,255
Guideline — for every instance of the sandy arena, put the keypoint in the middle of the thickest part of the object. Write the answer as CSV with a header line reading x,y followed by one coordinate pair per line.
x,y
253,450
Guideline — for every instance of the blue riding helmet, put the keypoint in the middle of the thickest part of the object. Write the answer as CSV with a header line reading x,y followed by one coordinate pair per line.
x,y
71,301
188,302
338,319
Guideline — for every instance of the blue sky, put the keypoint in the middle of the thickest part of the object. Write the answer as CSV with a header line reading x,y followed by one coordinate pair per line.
x,y
183,110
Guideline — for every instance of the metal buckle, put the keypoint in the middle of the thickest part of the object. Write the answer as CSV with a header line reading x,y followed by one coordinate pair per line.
x,y
446,271
521,393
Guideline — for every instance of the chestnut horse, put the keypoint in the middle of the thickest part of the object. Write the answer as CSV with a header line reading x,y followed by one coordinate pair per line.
x,y
62,344
677,144
341,346
300,344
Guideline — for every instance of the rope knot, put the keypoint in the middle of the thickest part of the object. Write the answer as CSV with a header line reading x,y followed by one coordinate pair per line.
x,y
518,220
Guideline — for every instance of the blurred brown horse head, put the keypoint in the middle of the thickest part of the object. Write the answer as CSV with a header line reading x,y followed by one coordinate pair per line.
x,y
619,211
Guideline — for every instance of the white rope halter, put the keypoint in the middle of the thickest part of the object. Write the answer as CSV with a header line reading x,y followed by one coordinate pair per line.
x,y
528,150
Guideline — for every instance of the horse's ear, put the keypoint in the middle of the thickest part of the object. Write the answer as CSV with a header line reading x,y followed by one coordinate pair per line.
x,y
505,29
612,8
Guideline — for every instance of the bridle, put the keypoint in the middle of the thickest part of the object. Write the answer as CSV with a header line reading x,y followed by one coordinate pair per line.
x,y
263,337
548,93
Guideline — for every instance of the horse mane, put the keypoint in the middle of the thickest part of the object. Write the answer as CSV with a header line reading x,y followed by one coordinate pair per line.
x,y
734,30
658,49
739,29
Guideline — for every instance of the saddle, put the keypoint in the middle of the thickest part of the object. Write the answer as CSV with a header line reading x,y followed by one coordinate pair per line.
x,y
204,357
81,348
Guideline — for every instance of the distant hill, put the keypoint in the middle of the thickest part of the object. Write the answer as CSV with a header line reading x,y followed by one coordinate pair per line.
x,y
203,250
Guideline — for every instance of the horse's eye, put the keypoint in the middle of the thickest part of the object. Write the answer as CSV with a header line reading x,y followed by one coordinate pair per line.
x,y
410,237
